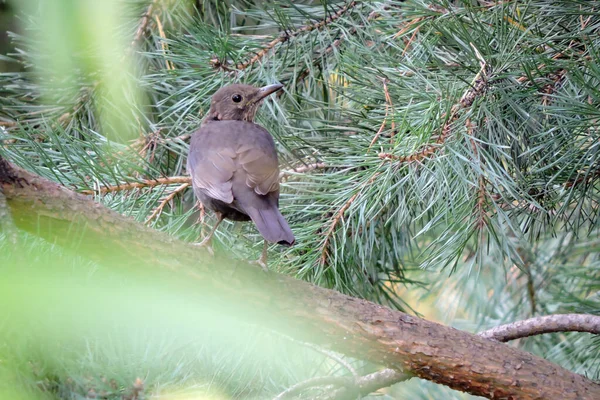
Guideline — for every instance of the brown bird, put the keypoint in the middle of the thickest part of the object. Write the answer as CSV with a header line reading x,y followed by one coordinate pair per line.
x,y
234,166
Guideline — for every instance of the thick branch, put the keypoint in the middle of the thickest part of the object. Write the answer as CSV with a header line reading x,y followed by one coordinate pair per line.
x,y
546,324
354,327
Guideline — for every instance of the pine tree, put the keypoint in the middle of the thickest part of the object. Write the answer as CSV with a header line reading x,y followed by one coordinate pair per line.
x,y
431,150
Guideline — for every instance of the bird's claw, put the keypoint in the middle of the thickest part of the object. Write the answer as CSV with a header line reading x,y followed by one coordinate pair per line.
x,y
207,244
262,263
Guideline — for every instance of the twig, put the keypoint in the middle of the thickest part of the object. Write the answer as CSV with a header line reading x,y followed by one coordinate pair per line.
x,y
284,37
477,88
163,42
388,101
407,27
158,210
183,138
586,178
338,216
481,192
546,324
550,88
362,384
302,169
145,20
323,351
407,44
170,180
329,49
369,384
530,288
315,382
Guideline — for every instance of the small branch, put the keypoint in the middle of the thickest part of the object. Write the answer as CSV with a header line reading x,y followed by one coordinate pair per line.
x,y
531,290
321,350
546,324
369,384
549,89
523,254
183,138
8,124
145,20
583,178
337,217
314,382
481,192
302,169
139,185
284,37
163,43
388,101
329,49
406,28
158,210
412,38
171,180
477,88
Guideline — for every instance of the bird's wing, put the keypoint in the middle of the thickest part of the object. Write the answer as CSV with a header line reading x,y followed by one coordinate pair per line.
x,y
259,161
213,173
219,150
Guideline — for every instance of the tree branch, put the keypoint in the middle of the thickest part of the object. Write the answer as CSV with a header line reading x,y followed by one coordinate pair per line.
x,y
351,326
504,333
366,384
143,25
337,217
172,180
146,183
477,88
545,324
158,210
284,37
312,383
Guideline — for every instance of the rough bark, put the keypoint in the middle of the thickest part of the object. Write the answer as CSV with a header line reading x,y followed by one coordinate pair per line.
x,y
545,324
351,326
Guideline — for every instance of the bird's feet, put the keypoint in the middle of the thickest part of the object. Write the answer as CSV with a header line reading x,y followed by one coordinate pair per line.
x,y
207,244
262,261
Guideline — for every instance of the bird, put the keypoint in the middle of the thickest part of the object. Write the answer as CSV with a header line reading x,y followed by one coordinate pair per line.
x,y
234,166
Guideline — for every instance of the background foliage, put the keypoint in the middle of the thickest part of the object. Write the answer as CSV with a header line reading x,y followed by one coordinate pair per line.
x,y
442,156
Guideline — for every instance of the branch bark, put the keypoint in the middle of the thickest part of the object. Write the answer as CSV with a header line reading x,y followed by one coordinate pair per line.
x,y
545,324
355,327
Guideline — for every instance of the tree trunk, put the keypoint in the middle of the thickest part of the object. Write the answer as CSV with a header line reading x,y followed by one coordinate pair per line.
x,y
351,326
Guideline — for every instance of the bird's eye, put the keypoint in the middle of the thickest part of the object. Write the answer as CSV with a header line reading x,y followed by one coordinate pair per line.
x,y
236,98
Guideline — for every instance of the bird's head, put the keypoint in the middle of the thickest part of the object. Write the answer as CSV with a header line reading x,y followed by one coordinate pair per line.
x,y
238,102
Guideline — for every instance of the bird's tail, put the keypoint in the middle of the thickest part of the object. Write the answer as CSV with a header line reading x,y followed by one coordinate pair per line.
x,y
272,225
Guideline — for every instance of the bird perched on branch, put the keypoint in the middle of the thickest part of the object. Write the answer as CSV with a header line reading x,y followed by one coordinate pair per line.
x,y
234,167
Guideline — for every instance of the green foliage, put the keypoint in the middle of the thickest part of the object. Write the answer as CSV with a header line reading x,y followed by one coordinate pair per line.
x,y
492,203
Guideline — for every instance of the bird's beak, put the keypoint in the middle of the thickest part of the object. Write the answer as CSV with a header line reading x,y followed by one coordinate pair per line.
x,y
267,90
